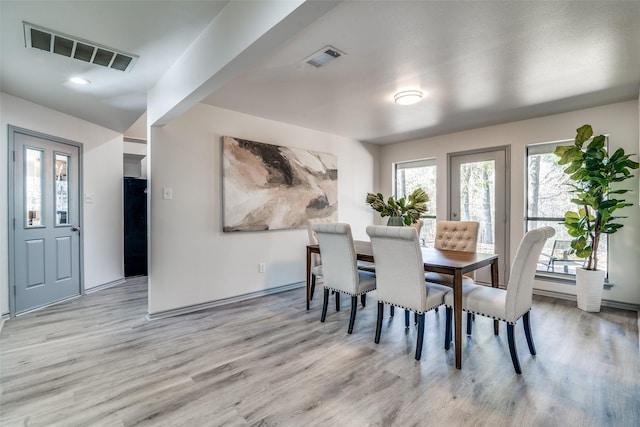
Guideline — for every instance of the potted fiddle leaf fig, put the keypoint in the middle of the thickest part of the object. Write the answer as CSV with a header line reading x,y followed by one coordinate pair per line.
x,y
593,172
400,211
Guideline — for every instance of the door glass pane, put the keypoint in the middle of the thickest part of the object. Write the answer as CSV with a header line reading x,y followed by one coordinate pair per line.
x,y
62,189
477,200
33,187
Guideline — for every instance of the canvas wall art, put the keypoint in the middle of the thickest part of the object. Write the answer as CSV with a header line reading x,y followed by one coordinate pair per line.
x,y
271,187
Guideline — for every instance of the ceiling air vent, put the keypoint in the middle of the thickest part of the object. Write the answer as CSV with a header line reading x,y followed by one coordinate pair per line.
x,y
73,47
324,56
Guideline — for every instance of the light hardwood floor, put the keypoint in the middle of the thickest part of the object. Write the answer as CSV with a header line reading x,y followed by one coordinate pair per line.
x,y
96,361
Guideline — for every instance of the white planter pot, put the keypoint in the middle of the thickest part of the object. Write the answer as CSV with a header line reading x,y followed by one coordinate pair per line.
x,y
590,284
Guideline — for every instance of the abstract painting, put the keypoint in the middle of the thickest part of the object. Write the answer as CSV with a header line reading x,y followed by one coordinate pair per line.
x,y
270,187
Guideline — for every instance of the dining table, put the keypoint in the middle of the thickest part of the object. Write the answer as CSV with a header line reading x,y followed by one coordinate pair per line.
x,y
454,263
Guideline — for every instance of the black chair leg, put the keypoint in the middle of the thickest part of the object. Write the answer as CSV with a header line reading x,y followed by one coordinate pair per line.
x,y
447,328
512,349
392,311
406,319
354,309
420,336
469,320
526,322
337,301
325,304
313,286
363,300
379,322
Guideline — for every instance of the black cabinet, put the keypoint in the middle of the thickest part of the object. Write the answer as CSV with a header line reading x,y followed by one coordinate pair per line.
x,y
135,227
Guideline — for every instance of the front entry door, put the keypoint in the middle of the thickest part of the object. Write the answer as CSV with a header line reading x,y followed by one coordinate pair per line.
x,y
479,192
45,220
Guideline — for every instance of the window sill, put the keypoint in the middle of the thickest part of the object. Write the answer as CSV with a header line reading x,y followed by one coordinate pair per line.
x,y
565,279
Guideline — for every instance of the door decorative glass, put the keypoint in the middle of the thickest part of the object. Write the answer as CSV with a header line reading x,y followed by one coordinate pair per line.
x,y
33,187
62,189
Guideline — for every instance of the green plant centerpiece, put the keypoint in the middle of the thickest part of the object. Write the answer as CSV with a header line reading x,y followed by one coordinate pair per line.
x,y
593,172
409,209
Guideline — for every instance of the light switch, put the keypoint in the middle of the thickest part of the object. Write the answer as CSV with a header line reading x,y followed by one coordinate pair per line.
x,y
167,193
88,198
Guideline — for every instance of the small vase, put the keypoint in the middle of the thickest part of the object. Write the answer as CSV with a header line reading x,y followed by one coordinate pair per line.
x,y
396,221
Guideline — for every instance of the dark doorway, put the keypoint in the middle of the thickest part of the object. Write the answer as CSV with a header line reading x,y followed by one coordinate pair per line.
x,y
135,227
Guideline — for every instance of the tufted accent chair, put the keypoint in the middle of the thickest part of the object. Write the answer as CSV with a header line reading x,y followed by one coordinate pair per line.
x,y
454,236
400,276
514,302
457,235
339,268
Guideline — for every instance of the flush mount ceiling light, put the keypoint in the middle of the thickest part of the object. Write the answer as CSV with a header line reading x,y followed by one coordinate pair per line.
x,y
407,97
79,81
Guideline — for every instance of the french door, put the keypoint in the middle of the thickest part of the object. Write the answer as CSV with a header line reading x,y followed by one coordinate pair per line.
x,y
44,253
479,191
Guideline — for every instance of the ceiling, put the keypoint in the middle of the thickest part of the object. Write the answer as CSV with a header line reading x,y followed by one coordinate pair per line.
x,y
478,63
157,31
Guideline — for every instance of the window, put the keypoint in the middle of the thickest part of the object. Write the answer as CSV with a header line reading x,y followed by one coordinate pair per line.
x,y
548,198
410,175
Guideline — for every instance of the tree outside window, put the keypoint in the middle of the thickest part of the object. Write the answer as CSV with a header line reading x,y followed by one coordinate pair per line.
x,y
419,173
548,198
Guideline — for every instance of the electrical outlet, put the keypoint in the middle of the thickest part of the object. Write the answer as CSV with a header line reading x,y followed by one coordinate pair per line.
x,y
167,193
261,267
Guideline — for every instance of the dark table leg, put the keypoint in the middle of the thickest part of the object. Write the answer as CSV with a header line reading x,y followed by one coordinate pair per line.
x,y
308,276
495,283
457,315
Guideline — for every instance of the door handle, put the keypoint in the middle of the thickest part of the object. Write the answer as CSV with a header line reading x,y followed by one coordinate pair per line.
x,y
75,228
455,215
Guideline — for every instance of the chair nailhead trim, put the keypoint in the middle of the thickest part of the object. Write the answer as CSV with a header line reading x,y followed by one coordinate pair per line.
x,y
492,317
406,308
345,292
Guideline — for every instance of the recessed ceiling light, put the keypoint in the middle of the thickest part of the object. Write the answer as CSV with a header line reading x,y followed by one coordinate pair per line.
x,y
407,97
79,81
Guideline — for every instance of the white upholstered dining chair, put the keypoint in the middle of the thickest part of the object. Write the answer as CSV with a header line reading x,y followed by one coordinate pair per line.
x,y
514,302
340,269
400,276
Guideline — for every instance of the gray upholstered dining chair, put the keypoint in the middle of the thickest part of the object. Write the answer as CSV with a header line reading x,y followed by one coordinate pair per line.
x,y
513,303
316,261
400,276
340,269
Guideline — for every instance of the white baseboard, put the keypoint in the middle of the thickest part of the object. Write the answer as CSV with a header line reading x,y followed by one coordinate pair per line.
x,y
224,301
571,297
105,286
3,318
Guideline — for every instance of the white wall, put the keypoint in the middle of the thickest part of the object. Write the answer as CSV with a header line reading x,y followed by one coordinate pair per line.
x,y
620,121
102,228
192,260
139,149
138,130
